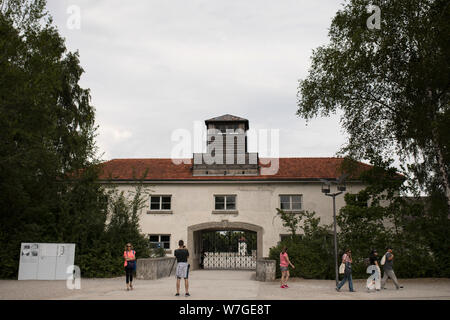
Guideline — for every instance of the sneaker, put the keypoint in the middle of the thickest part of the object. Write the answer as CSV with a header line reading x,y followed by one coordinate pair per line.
x,y
282,287
401,287
337,289
187,294
286,286
177,294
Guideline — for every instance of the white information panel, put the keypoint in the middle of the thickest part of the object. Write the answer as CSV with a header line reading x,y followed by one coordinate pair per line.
x,y
45,261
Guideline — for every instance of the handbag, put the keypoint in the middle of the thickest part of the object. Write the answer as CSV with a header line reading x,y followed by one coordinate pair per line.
x,y
383,260
342,268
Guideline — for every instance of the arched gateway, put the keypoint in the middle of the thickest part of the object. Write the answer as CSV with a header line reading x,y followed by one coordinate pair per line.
x,y
194,240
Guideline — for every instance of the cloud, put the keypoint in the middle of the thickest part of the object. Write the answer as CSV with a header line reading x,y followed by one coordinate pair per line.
x,y
157,66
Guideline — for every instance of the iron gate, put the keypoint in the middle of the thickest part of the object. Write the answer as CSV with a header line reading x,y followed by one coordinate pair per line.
x,y
229,250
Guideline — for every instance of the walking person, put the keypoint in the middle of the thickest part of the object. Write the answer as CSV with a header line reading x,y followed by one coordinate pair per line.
x,y
373,261
130,262
347,261
388,269
284,267
182,255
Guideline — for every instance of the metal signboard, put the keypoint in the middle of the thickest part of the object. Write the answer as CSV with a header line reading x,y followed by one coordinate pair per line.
x,y
45,261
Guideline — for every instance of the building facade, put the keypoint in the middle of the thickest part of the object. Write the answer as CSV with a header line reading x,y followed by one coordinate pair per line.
x,y
190,197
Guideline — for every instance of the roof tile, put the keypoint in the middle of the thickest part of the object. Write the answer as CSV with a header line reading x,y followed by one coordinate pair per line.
x,y
168,169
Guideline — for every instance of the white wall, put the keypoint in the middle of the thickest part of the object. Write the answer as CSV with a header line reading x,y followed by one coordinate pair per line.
x,y
193,203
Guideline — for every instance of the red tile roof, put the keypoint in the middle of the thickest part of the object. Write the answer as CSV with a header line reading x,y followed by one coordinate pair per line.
x,y
167,170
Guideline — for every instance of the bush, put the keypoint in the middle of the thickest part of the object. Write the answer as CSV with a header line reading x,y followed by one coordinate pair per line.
x,y
157,252
312,253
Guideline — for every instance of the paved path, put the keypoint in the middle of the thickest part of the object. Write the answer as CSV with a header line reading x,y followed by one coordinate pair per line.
x,y
220,285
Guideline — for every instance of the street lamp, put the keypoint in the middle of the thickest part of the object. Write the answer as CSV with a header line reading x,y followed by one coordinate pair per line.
x,y
326,188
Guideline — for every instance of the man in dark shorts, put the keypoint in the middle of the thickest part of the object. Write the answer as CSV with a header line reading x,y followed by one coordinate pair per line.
x,y
182,255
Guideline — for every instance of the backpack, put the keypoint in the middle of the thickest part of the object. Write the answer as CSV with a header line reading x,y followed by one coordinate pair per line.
x,y
383,260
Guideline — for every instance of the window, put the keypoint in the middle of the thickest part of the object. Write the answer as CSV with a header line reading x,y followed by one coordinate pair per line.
x,y
159,241
291,202
158,203
225,202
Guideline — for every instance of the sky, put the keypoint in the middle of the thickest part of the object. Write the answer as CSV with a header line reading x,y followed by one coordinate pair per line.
x,y
157,66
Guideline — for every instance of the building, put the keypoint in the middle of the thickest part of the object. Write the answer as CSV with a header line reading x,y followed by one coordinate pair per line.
x,y
197,196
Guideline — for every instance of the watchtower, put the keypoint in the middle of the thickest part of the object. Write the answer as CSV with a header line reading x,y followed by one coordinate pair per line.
x,y
227,150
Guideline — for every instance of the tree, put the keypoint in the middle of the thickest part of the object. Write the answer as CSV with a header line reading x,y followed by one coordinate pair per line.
x,y
377,217
392,85
47,134
310,246
24,14
48,159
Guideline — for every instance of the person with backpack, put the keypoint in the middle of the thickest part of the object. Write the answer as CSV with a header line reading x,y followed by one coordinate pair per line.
x,y
347,261
284,267
130,265
373,261
388,267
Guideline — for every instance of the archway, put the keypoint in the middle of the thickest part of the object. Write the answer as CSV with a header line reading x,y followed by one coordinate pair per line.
x,y
194,240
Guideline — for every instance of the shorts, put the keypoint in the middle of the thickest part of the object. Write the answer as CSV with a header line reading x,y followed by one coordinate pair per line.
x,y
284,268
182,270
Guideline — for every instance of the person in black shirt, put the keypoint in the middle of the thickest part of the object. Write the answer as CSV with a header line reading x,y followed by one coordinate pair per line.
x,y
182,255
374,258
374,262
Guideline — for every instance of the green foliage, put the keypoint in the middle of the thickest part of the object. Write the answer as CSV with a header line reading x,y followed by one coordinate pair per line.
x,y
291,221
313,252
392,87
390,84
157,252
377,217
48,167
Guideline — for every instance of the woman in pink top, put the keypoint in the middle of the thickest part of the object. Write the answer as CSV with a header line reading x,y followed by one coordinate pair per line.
x,y
284,267
130,261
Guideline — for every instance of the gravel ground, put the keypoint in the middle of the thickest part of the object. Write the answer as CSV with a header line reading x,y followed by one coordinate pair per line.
x,y
220,285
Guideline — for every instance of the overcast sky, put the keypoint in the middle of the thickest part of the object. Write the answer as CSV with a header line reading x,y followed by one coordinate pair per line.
x,y
155,66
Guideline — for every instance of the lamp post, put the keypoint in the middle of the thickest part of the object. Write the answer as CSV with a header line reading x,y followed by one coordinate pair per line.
x,y
326,188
